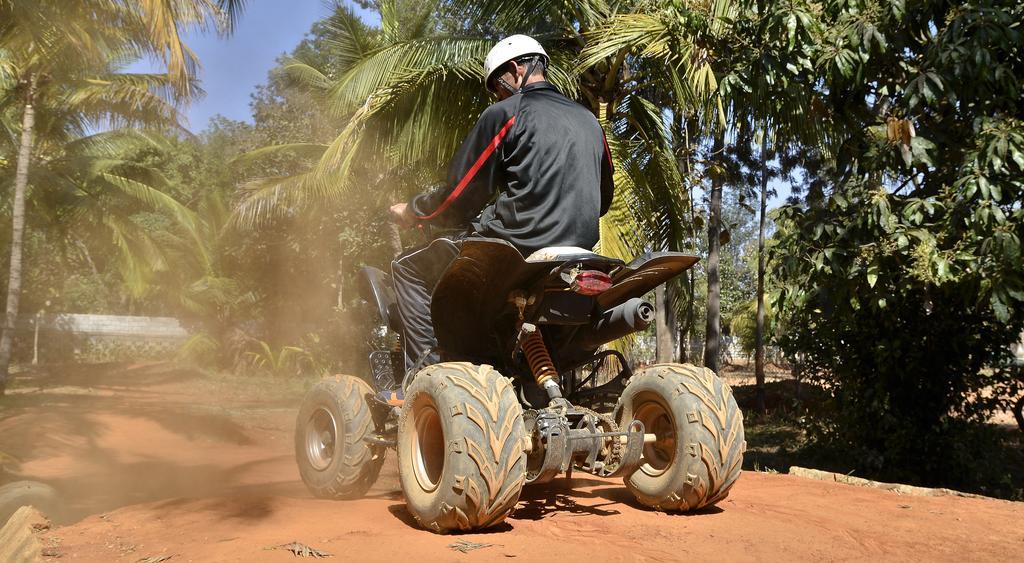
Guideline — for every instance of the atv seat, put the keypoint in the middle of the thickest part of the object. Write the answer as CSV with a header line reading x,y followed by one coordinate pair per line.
x,y
561,254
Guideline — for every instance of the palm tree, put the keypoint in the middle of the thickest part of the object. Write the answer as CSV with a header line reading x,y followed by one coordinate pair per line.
x,y
734,67
667,80
58,66
404,97
150,27
765,158
689,61
81,173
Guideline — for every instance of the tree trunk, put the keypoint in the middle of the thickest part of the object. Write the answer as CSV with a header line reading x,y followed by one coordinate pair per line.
x,y
17,233
663,327
672,316
713,332
682,328
340,302
759,331
681,136
686,327
35,339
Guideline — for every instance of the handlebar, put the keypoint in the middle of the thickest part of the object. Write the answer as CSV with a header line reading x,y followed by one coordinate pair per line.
x,y
429,232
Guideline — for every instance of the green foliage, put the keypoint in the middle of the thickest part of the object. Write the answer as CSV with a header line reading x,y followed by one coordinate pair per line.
x,y
62,79
901,286
907,340
897,275
282,361
743,325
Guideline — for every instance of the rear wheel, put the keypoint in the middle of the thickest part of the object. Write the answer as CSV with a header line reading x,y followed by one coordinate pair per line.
x,y
461,444
335,461
698,451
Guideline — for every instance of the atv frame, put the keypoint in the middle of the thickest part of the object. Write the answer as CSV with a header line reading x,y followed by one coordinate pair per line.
x,y
519,397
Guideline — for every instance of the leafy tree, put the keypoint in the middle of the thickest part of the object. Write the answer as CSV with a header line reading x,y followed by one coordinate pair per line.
x,y
406,95
760,328
901,281
58,66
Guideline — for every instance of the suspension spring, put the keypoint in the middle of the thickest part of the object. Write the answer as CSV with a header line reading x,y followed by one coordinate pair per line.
x,y
539,359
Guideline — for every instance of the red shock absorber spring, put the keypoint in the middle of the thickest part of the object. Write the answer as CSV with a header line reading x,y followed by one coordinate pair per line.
x,y
539,359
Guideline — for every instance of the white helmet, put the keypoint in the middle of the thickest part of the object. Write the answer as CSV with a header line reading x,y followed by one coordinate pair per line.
x,y
508,49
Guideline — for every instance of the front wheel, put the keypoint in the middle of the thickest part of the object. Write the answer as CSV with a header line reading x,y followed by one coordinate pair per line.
x,y
461,442
335,461
698,449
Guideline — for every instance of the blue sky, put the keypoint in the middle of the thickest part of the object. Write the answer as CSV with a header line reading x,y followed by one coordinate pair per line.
x,y
234,66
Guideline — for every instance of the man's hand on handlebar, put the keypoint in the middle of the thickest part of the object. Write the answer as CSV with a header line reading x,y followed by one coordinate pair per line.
x,y
402,215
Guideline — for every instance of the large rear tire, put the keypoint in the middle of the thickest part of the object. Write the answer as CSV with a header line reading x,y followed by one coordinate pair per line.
x,y
698,454
335,461
461,443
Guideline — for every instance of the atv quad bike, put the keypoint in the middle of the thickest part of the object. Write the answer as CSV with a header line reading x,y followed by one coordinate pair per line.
x,y
523,393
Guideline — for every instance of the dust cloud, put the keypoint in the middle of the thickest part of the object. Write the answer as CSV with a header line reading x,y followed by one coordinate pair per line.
x,y
106,436
153,460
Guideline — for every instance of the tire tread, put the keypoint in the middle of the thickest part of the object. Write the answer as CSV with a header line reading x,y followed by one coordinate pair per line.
x,y
489,468
713,456
361,462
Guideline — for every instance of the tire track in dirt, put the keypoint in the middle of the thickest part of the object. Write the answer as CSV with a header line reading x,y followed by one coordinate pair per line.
x,y
194,479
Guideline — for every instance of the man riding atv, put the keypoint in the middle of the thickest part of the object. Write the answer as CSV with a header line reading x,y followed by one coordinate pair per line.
x,y
546,157
487,370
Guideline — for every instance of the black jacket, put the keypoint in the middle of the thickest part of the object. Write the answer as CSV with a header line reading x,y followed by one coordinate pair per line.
x,y
546,158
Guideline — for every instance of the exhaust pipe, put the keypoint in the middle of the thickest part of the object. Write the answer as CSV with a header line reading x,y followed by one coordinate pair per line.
x,y
632,316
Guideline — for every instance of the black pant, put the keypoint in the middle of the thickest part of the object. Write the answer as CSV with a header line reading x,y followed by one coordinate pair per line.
x,y
415,276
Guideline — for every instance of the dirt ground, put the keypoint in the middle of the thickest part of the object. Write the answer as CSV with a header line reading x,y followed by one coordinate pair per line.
x,y
153,462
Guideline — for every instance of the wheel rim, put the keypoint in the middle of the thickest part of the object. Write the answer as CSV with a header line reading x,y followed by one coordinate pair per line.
x,y
428,451
659,455
322,437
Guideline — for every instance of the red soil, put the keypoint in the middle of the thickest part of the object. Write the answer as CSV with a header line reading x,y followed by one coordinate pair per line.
x,y
153,462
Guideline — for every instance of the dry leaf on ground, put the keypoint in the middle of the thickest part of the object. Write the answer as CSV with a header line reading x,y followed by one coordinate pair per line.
x,y
303,550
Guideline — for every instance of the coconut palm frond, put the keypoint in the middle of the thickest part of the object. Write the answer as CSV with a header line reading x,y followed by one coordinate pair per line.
x,y
146,194
138,257
157,199
524,16
425,114
8,71
305,75
122,101
655,203
264,199
348,40
116,142
643,35
389,64
312,151
166,21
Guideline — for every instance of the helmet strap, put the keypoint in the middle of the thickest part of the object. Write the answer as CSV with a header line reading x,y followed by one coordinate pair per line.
x,y
512,90
529,71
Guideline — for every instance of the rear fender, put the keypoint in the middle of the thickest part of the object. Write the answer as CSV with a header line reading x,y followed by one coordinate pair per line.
x,y
643,274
